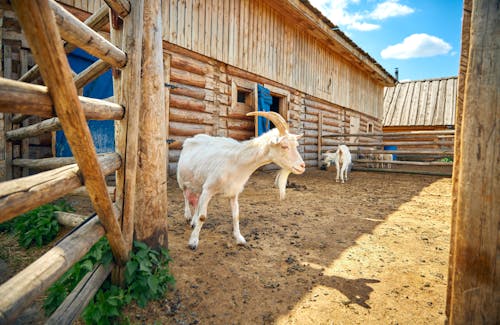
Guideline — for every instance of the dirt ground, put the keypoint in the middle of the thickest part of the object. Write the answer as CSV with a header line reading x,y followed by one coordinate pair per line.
x,y
371,251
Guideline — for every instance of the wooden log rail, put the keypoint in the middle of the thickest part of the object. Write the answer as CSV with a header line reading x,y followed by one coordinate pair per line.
x,y
21,195
19,291
44,163
78,299
413,163
399,171
407,152
31,99
77,33
49,125
91,73
96,21
391,134
121,7
395,143
40,29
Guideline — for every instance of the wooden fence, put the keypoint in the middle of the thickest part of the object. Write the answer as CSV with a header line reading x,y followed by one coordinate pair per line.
x,y
44,23
413,148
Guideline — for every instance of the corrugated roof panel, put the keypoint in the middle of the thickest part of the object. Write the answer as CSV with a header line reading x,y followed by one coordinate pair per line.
x,y
427,102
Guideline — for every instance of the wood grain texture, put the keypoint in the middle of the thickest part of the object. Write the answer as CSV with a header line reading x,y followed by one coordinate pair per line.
x,y
41,32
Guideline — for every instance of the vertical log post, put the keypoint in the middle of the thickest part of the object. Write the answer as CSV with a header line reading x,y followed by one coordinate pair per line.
x,y
151,190
475,287
464,56
320,137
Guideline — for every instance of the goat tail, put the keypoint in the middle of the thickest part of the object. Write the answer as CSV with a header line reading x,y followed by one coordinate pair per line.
x,y
281,180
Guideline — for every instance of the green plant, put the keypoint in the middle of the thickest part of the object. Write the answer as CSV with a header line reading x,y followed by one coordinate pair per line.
x,y
38,226
446,159
147,277
99,253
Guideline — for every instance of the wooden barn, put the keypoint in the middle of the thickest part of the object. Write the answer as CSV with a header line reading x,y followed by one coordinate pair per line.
x,y
215,55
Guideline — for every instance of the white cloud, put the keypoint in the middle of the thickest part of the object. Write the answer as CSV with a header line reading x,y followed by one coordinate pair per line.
x,y
338,12
416,46
390,8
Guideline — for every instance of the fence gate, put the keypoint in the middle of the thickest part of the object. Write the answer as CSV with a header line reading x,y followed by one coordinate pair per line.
x,y
44,23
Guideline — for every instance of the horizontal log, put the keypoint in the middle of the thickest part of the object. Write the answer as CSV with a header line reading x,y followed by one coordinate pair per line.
x,y
77,33
187,116
187,78
91,73
187,103
190,65
395,143
69,219
74,304
407,152
400,171
413,163
394,134
28,99
121,7
186,129
19,291
24,194
79,298
188,91
96,21
44,163
45,126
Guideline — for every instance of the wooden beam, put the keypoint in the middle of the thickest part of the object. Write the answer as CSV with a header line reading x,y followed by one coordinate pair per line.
x,y
34,130
91,73
18,292
151,189
40,30
23,194
31,99
121,7
395,134
475,285
44,163
464,58
96,21
397,162
128,87
71,308
400,171
77,33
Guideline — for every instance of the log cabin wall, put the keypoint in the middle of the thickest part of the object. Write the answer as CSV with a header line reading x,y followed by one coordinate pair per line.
x,y
257,37
15,61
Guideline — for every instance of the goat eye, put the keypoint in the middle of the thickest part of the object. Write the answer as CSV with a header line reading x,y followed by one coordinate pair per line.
x,y
284,147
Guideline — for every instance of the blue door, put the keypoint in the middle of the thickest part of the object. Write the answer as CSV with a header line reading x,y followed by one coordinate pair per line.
x,y
265,100
103,132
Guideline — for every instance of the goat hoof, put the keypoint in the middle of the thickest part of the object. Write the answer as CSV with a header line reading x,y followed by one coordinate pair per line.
x,y
193,247
241,241
193,243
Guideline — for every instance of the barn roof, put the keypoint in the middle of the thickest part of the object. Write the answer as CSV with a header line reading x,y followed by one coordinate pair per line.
x,y
429,102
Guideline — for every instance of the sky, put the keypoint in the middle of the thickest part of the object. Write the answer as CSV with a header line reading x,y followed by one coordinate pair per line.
x,y
419,37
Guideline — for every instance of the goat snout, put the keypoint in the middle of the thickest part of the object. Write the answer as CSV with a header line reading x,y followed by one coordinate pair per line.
x,y
299,168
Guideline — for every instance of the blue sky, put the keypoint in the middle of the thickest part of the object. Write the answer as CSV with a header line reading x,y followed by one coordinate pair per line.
x,y
419,37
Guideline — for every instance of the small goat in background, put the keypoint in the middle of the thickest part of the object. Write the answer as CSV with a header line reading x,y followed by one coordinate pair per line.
x,y
343,162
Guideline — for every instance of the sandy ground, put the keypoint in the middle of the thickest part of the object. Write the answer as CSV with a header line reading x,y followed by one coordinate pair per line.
x,y
371,251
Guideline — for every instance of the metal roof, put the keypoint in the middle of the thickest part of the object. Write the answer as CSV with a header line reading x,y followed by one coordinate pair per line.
x,y
429,102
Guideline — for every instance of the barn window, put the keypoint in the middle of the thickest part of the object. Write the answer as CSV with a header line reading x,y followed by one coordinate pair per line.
x,y
242,96
369,128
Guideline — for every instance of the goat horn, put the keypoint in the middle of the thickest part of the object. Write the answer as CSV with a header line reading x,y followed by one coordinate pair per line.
x,y
274,117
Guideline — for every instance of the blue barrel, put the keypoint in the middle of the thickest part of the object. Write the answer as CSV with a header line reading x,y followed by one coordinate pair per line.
x,y
394,157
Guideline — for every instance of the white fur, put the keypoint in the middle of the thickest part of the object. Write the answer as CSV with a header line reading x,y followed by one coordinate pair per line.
x,y
216,165
343,162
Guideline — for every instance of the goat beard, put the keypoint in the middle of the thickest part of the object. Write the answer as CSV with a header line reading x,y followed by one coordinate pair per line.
x,y
281,180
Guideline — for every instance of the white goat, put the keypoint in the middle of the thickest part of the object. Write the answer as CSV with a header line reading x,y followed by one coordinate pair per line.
x,y
215,165
341,157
